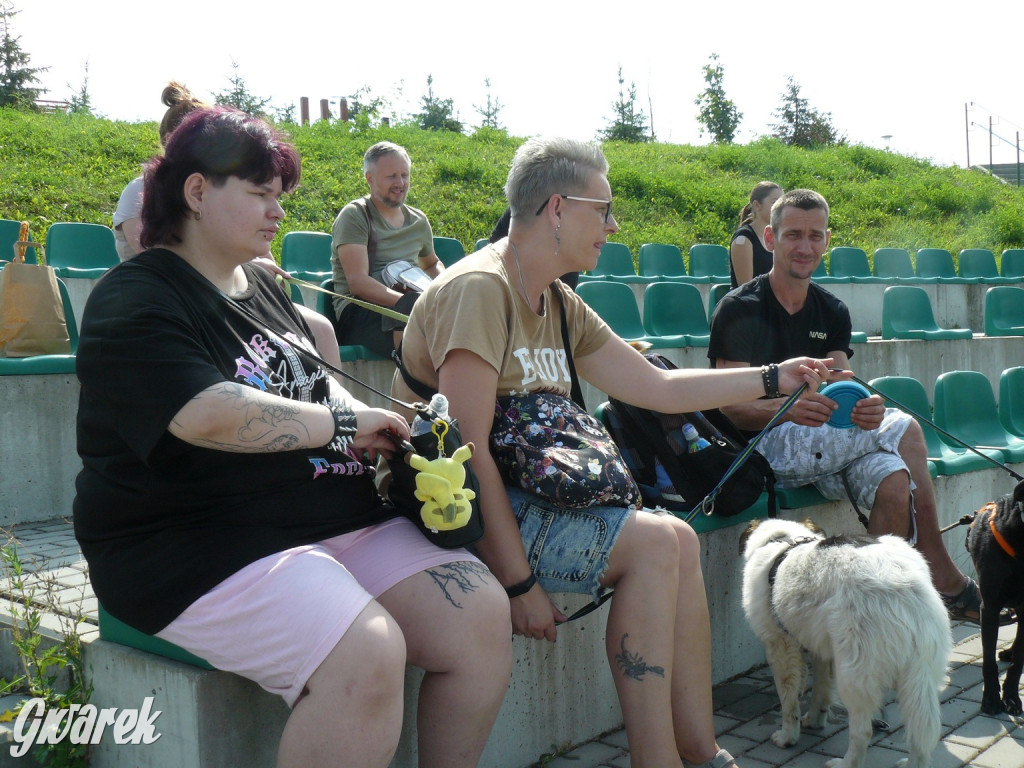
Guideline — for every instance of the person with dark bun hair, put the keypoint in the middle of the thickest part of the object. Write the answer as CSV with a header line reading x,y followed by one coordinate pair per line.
x,y
226,501
748,256
128,217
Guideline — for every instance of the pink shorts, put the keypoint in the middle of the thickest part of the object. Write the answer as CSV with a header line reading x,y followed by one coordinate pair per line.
x,y
277,619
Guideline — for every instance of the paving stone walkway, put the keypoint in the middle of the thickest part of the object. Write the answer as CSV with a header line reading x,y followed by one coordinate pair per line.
x,y
747,712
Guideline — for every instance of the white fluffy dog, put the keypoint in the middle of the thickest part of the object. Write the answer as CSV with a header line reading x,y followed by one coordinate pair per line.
x,y
865,609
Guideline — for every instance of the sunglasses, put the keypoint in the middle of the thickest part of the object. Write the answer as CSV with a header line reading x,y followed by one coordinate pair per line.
x,y
607,203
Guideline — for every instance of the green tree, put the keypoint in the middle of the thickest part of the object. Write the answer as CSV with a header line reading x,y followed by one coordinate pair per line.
x,y
718,115
801,125
239,96
438,114
286,114
629,123
366,110
17,78
490,111
81,102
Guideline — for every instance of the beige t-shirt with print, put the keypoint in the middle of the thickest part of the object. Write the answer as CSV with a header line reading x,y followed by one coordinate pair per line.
x,y
473,306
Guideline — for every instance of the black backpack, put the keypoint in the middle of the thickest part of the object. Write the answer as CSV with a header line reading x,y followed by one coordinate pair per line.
x,y
642,437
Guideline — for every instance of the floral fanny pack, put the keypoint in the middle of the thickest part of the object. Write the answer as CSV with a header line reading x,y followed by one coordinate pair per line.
x,y
546,444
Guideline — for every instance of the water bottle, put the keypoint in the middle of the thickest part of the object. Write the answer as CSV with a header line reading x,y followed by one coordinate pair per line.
x,y
439,405
694,442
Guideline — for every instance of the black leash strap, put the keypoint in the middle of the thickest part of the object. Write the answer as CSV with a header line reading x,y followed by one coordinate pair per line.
x,y
940,430
707,506
590,607
422,409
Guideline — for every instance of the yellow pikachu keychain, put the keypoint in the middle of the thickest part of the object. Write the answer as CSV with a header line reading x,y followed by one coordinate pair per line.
x,y
440,484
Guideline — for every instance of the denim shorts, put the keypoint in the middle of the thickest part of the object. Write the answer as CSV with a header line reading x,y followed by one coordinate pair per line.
x,y
568,549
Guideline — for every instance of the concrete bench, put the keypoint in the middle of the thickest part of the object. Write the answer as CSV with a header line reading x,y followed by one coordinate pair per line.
x,y
559,693
38,459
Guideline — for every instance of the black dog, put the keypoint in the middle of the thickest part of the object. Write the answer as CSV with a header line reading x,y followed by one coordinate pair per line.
x,y
996,544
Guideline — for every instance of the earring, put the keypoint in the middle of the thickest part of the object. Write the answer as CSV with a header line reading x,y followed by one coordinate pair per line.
x,y
558,239
198,215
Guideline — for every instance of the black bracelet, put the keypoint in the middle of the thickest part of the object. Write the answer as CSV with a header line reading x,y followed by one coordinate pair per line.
x,y
770,380
344,427
524,586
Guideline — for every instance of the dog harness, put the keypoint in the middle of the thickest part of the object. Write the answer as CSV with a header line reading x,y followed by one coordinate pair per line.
x,y
1004,545
782,556
773,571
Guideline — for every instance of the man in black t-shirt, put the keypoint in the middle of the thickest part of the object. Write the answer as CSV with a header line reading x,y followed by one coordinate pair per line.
x,y
883,459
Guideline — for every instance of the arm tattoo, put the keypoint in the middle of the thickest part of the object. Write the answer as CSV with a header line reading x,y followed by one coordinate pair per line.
x,y
459,577
633,665
266,428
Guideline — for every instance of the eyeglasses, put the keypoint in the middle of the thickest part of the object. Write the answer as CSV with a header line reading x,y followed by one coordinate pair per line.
x,y
607,210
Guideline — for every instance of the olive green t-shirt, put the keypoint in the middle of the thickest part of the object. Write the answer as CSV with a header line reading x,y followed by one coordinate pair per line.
x,y
410,242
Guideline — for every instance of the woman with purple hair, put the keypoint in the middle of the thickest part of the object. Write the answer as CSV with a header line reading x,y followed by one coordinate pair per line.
x,y
226,501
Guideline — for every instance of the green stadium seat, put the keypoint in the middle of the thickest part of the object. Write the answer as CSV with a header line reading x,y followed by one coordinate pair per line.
x,y
966,407
936,264
1004,311
912,397
480,244
907,314
325,306
895,265
448,250
615,262
717,292
821,275
615,304
306,255
77,249
662,261
1011,400
979,265
799,497
676,309
1012,263
851,264
9,231
709,262
116,631
21,366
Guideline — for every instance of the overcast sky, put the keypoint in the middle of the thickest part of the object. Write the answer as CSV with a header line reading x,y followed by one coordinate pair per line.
x,y
902,70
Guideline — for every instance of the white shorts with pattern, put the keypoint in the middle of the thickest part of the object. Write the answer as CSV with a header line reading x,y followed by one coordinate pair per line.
x,y
819,455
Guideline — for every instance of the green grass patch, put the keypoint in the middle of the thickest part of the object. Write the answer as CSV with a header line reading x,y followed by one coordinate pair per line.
x,y
73,168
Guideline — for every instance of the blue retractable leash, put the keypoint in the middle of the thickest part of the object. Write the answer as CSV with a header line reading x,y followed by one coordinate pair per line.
x,y
707,506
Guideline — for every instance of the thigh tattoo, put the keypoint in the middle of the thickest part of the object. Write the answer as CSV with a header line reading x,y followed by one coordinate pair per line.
x,y
462,577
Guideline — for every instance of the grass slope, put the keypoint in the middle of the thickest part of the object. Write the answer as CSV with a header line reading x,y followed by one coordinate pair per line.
x,y
73,168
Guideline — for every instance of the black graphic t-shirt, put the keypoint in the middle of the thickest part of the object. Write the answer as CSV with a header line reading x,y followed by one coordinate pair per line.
x,y
751,326
162,521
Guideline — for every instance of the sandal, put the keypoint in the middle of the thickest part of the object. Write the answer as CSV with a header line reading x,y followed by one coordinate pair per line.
x,y
722,760
966,606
